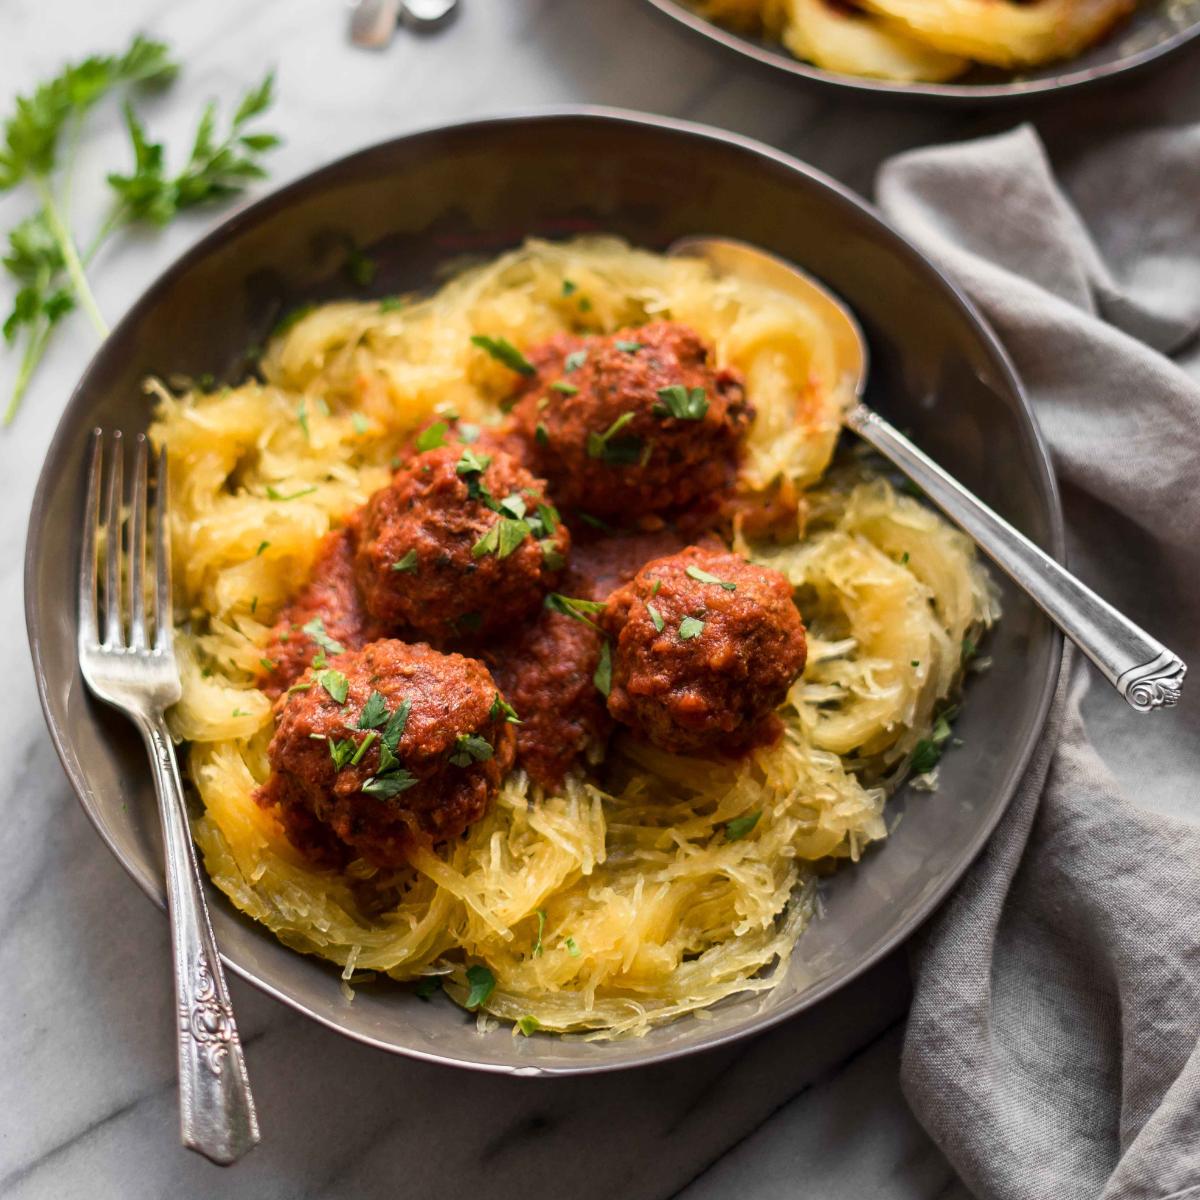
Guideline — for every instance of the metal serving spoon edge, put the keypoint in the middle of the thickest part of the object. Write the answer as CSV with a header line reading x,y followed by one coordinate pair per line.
x,y
1142,669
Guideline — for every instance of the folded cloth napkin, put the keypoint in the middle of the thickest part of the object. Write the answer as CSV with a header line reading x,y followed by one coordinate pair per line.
x,y
1052,1047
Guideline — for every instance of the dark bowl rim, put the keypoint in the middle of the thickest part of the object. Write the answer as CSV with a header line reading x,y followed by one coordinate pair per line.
x,y
153,885
981,93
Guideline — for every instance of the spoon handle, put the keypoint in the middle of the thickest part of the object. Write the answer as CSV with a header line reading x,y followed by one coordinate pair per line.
x,y
1143,670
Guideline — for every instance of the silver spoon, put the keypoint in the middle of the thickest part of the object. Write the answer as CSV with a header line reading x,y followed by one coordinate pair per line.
x,y
1143,670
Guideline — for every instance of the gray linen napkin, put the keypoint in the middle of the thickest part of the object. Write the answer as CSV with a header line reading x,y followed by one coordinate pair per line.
x,y
1052,1047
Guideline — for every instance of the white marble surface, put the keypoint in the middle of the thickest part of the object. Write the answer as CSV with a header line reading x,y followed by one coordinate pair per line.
x,y
87,1101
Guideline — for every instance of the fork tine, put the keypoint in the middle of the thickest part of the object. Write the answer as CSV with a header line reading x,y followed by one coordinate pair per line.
x,y
137,549
114,633
164,614
88,630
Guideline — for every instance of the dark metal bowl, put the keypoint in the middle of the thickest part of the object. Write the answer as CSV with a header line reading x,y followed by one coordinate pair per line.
x,y
480,188
1151,33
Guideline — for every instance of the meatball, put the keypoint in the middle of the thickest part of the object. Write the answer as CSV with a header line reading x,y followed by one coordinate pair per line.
x,y
546,670
705,647
326,615
633,422
387,748
461,541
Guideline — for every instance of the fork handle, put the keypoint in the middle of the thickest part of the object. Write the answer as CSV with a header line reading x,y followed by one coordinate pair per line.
x,y
1143,670
216,1110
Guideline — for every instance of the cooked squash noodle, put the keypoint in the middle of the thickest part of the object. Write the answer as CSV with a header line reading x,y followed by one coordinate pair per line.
x,y
627,899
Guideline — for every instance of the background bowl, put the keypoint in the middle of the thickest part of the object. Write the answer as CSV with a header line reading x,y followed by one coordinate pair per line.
x,y
479,188
1156,29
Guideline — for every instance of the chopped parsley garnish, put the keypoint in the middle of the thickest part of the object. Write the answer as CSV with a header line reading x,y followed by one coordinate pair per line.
x,y
571,606
603,676
916,662
470,748
585,305
528,1024
629,347
267,664
514,506
569,287
291,319
968,650
537,943
503,351
904,559
690,627
340,751
552,557
238,712
316,631
360,267
928,751
614,450
682,404
656,588
501,707
261,547
502,539
364,746
572,948
274,494
567,389
737,829
656,617
392,784
574,360
468,433
482,982
433,437
298,687
391,304
548,515
407,563
374,712
427,986
471,463
540,435
335,683
702,576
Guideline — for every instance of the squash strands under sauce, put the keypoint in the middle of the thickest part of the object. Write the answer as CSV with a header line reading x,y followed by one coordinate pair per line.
x,y
600,910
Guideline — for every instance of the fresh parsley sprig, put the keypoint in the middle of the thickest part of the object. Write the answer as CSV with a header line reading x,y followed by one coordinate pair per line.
x,y
37,150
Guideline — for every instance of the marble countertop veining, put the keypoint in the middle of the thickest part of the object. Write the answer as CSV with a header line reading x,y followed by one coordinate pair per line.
x,y
87,1097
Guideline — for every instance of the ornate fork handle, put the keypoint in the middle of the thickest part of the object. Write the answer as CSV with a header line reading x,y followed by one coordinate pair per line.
x,y
1142,669
216,1109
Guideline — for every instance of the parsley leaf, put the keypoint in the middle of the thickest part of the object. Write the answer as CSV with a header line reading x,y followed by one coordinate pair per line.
x,y
702,576
406,564
335,683
574,360
603,676
528,1024
374,712
739,827
396,726
928,751
433,437
567,389
501,707
682,404
471,463
340,751
316,632
571,606
616,451
656,617
503,351
426,986
273,494
389,785
482,982
690,627
629,347
470,748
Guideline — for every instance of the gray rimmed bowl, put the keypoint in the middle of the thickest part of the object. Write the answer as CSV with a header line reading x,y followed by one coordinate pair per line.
x,y
479,188
1156,29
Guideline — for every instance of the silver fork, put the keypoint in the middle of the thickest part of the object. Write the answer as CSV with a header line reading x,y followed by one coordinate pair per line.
x,y
139,676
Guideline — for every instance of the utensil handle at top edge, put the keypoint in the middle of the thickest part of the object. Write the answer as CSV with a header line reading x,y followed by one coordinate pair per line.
x,y
216,1109
1143,670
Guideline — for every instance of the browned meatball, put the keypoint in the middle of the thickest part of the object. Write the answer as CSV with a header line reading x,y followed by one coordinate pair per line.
x,y
460,542
546,670
705,647
326,615
387,748
635,422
